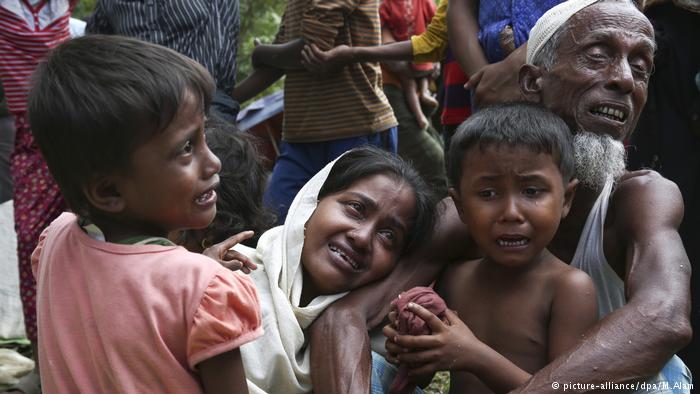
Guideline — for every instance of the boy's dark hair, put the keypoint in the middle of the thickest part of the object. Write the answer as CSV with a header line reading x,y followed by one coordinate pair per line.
x,y
96,98
243,179
514,125
363,162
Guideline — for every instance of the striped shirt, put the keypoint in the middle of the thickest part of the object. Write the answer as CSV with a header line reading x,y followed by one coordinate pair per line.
x,y
24,43
206,31
347,103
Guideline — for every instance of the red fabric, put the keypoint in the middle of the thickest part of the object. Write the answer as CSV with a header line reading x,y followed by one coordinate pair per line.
x,y
408,323
37,198
405,18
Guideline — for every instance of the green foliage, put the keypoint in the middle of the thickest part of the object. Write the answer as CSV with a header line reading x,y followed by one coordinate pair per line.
x,y
84,9
259,19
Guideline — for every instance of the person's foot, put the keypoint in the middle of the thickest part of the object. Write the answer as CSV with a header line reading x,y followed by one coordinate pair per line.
x,y
429,101
422,121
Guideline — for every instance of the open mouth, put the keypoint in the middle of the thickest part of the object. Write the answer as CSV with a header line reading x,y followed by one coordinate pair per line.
x,y
335,250
206,197
512,242
617,115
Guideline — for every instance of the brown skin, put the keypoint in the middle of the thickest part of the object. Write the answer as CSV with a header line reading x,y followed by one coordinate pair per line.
x,y
223,373
491,83
641,239
519,307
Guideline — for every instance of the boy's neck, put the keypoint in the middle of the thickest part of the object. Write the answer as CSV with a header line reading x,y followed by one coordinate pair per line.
x,y
503,271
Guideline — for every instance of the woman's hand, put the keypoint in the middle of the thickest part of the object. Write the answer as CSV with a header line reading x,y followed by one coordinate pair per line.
x,y
451,346
228,257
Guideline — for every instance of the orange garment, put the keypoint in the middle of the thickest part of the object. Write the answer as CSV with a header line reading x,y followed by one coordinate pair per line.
x,y
133,318
406,18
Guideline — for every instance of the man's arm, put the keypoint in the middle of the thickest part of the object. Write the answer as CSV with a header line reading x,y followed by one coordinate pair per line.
x,y
340,357
635,341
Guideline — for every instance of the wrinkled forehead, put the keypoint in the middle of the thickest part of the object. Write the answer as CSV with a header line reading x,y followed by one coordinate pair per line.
x,y
612,18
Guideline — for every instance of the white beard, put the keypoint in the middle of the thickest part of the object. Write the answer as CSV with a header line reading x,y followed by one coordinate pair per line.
x,y
598,157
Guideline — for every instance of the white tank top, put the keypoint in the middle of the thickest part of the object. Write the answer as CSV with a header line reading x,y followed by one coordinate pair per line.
x,y
589,257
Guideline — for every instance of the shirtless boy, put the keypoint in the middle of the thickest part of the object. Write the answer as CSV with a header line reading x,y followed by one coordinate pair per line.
x,y
512,170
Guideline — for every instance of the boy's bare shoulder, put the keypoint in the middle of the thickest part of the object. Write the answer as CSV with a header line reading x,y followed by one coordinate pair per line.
x,y
566,279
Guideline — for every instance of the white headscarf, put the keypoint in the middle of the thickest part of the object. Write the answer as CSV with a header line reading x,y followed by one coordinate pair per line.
x,y
279,361
550,22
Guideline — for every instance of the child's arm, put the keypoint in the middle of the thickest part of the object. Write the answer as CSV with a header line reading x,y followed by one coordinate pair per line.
x,y
317,60
574,311
285,56
453,346
256,82
429,46
223,373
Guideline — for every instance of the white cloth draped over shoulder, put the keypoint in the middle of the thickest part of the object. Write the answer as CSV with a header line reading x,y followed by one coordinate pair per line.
x,y
279,362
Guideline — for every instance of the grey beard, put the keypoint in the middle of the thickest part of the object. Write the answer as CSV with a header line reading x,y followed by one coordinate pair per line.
x,y
598,157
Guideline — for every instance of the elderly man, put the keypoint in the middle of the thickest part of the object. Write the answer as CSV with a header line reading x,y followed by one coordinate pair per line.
x,y
589,62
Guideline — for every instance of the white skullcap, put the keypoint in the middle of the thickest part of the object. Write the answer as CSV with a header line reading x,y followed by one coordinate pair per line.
x,y
550,22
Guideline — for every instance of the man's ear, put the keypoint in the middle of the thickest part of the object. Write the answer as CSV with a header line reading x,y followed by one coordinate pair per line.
x,y
454,194
102,193
569,193
530,78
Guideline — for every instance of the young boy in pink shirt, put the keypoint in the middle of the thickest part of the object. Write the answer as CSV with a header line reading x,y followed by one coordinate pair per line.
x,y
120,308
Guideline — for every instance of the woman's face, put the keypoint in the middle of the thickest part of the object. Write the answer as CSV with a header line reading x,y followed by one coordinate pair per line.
x,y
355,236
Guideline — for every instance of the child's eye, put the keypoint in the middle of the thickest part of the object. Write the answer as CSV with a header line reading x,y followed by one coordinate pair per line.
x,y
532,191
188,147
487,193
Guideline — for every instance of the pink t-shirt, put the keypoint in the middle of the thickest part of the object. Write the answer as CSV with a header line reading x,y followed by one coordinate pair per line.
x,y
133,318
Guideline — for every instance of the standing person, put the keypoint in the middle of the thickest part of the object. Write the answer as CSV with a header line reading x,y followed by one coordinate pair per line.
x,y
203,30
593,73
324,115
122,309
28,30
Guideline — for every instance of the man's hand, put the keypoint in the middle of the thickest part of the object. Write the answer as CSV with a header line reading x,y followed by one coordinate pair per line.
x,y
452,345
228,257
498,82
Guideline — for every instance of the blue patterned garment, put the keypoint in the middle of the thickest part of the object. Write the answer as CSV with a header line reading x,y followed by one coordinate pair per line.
x,y
521,15
383,374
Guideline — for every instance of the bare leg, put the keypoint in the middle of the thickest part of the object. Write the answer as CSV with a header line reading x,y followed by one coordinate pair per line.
x,y
409,89
426,98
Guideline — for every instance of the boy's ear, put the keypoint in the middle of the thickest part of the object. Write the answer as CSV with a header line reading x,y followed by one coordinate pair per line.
x,y
530,79
569,193
102,194
457,201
